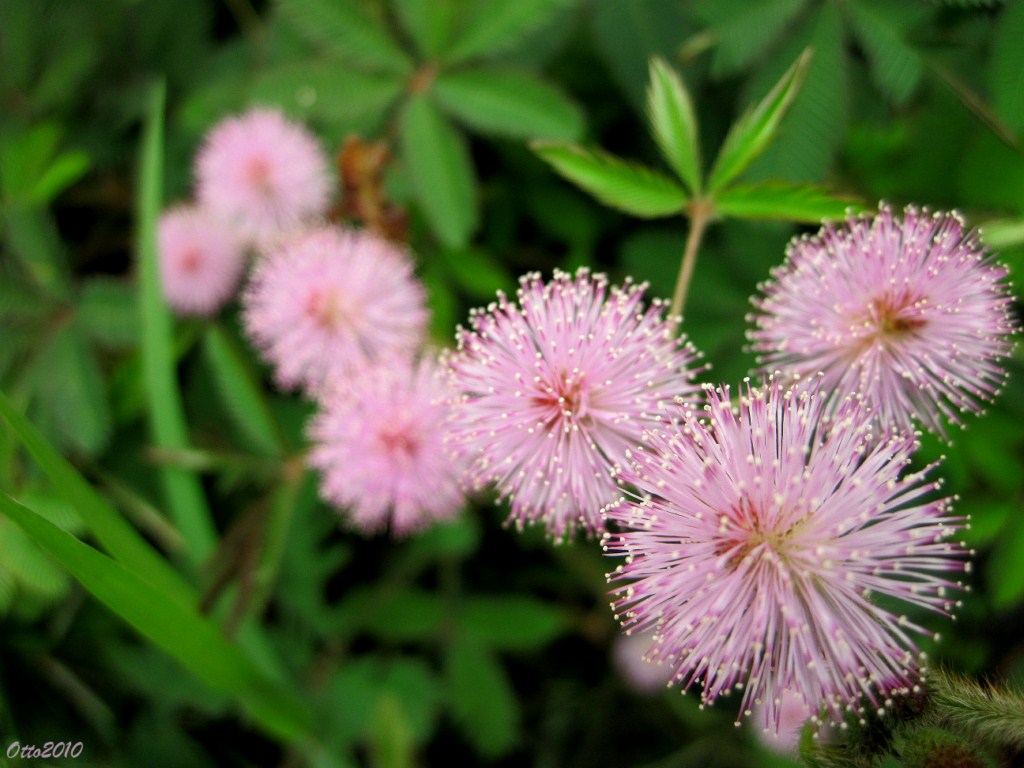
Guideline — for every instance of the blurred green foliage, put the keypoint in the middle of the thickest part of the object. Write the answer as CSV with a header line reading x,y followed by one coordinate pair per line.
x,y
269,636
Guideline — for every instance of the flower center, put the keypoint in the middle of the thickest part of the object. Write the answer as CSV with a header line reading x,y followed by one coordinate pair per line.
x,y
327,310
398,442
566,399
751,536
893,318
257,173
190,261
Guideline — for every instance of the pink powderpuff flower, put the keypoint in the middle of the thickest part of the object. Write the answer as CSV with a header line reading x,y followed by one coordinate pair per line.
x,y
552,391
912,314
263,174
378,442
201,261
755,539
330,302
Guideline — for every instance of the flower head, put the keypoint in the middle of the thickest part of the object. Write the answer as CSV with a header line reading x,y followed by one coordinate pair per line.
x,y
201,261
263,174
552,391
378,442
911,313
755,541
333,301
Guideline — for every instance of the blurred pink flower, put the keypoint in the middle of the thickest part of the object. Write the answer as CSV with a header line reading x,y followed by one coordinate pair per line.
x,y
263,174
755,539
552,391
793,716
643,676
911,313
378,442
201,261
330,302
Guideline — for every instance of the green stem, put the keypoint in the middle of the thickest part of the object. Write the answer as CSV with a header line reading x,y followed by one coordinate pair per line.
x,y
700,214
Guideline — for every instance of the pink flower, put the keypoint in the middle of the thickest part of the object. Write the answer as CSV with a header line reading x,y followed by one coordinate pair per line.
x,y
553,391
643,675
378,442
910,313
264,174
756,539
330,302
793,714
201,261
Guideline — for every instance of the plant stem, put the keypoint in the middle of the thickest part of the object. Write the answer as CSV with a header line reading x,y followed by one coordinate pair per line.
x,y
700,214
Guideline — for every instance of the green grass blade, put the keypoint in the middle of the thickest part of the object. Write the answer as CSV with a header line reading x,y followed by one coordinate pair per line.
x,y
186,501
175,628
241,393
753,132
626,186
119,538
674,123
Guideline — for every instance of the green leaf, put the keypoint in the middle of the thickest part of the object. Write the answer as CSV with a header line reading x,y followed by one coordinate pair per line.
x,y
629,187
24,157
478,272
673,123
786,202
240,391
481,699
1004,233
172,626
327,92
397,615
497,25
627,34
343,28
458,538
755,130
430,23
806,147
67,168
187,502
32,236
896,67
69,386
1006,66
116,535
743,31
108,312
1006,565
359,685
508,103
440,171
512,622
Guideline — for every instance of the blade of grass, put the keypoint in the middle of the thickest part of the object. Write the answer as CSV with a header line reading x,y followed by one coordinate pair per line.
x,y
241,394
119,538
175,628
186,501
